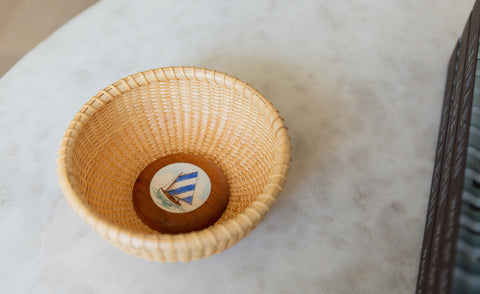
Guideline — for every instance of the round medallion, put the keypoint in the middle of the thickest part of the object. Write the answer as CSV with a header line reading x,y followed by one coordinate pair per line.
x,y
180,193
180,187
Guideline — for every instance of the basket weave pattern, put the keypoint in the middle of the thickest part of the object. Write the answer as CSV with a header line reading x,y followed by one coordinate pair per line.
x,y
159,112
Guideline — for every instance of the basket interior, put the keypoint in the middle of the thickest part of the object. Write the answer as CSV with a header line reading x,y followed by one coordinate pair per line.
x,y
162,118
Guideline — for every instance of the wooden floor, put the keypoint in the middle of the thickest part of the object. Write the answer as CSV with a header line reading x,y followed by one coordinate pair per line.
x,y
25,23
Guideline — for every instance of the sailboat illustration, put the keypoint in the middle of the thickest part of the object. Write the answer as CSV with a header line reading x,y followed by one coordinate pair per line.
x,y
182,188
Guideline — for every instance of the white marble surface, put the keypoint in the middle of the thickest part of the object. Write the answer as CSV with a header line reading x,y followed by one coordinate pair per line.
x,y
360,84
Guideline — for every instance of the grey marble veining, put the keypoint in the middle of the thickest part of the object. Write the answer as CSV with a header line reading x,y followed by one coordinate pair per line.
x,y
359,83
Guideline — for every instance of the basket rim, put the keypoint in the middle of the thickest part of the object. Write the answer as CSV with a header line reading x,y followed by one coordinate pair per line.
x,y
229,232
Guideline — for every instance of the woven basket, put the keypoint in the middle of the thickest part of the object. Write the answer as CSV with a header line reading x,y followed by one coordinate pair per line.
x,y
155,113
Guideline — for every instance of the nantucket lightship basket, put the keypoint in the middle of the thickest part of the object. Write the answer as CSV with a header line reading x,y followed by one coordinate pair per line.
x,y
155,113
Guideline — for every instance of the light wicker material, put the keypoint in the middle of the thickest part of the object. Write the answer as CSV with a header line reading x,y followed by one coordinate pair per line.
x,y
164,111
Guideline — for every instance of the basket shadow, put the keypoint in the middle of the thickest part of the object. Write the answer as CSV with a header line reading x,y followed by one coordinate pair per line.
x,y
313,115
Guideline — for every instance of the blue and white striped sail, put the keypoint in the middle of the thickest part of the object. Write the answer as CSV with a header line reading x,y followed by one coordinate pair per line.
x,y
184,187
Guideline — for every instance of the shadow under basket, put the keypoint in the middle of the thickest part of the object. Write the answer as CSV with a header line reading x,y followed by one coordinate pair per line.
x,y
155,113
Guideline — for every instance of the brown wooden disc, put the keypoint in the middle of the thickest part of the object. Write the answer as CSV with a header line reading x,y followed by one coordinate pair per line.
x,y
172,194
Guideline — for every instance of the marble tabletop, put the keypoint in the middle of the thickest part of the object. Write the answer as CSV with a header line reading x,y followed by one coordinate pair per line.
x,y
359,83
